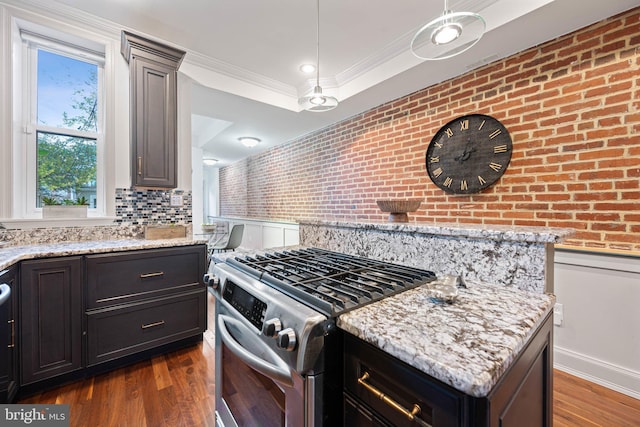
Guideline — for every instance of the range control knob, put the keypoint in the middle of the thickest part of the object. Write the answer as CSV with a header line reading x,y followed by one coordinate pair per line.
x,y
287,339
272,327
211,280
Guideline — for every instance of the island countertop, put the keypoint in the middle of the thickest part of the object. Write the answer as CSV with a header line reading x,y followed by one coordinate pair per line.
x,y
476,231
468,345
13,254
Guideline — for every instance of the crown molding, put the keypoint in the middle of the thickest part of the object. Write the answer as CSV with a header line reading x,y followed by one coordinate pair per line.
x,y
69,15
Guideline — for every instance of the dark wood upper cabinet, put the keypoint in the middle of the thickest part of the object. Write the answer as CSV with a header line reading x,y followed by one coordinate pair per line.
x,y
153,70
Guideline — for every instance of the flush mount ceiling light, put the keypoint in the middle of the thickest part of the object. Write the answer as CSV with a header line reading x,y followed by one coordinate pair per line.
x,y
307,68
249,141
209,162
449,35
317,101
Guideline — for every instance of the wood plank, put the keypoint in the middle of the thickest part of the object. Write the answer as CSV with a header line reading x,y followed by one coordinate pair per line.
x,y
161,373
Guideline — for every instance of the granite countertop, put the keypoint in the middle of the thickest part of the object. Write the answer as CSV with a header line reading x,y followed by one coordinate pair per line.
x,y
468,345
12,254
476,231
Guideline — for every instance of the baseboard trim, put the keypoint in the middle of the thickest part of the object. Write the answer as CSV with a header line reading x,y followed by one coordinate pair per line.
x,y
614,377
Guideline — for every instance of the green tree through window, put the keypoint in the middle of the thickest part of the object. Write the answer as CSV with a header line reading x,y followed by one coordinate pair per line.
x,y
67,124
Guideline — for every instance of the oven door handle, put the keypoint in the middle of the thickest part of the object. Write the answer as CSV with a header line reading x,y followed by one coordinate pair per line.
x,y
278,371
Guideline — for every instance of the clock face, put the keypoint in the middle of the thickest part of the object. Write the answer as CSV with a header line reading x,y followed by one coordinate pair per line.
x,y
468,154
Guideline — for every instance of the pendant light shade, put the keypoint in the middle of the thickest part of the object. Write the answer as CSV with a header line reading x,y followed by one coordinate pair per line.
x,y
317,101
449,35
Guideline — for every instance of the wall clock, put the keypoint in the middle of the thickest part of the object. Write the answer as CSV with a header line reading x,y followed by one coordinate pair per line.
x,y
468,154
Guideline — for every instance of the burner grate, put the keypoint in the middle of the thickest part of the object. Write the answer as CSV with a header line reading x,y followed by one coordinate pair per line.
x,y
331,282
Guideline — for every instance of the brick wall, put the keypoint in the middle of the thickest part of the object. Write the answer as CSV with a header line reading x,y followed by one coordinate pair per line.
x,y
571,106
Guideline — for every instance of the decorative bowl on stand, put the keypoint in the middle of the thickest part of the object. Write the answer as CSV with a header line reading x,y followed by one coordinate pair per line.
x,y
398,208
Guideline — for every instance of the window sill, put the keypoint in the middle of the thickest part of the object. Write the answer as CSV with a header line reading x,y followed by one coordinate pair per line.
x,y
26,223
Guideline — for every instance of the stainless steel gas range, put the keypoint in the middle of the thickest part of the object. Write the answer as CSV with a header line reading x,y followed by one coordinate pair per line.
x,y
278,352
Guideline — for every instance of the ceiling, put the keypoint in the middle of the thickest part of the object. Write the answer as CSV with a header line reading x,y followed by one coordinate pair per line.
x,y
244,56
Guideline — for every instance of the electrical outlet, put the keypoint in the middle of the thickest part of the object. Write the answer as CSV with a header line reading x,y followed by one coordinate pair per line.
x,y
176,200
558,314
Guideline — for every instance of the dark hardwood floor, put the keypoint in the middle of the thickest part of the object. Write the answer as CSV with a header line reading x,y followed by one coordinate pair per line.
x,y
177,389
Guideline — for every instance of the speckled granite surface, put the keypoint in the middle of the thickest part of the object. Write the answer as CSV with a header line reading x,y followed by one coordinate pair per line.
x,y
47,235
474,231
469,344
12,254
507,256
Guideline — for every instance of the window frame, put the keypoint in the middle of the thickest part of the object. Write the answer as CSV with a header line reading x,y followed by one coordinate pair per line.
x,y
27,43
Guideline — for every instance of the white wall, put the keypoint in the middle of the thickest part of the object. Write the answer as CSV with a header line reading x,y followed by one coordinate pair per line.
x,y
211,192
599,338
265,234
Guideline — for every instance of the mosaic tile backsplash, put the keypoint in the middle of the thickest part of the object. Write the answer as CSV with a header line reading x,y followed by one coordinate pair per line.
x,y
152,207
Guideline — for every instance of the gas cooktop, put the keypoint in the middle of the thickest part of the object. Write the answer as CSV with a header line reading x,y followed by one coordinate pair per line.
x,y
330,282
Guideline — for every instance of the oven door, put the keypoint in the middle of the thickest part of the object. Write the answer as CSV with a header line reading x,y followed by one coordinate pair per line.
x,y
253,385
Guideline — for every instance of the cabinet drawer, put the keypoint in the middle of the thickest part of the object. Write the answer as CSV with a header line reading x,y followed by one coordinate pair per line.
x,y
440,405
134,276
117,332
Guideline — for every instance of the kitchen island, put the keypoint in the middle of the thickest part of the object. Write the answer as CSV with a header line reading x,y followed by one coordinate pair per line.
x,y
486,358
469,362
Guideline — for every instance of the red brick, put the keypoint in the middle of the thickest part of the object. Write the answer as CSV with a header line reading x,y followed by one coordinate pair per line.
x,y
571,106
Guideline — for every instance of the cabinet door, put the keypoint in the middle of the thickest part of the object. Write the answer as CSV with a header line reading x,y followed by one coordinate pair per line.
x,y
356,415
132,276
370,374
51,327
8,360
119,331
153,120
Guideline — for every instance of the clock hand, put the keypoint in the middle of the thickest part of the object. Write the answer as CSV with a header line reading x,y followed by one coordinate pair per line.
x,y
468,149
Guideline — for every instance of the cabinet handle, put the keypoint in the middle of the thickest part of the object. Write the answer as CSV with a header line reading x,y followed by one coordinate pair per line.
x,y
389,401
139,165
12,322
147,275
151,325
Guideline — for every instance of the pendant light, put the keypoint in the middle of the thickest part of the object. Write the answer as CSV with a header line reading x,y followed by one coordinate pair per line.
x,y
449,35
317,101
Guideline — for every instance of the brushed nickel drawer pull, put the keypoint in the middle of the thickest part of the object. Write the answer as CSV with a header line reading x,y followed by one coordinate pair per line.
x,y
151,325
12,322
139,165
389,401
147,275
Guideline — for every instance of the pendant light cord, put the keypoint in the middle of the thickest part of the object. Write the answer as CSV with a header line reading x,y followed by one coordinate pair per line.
x,y
317,42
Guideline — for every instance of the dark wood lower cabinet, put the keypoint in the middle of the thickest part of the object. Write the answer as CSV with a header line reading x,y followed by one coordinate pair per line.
x,y
8,338
120,331
51,313
85,314
521,398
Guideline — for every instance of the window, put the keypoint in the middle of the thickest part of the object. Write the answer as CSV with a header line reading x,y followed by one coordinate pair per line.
x,y
63,135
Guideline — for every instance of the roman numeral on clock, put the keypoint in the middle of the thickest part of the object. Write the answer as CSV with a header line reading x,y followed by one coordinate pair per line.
x,y
500,149
463,185
495,133
437,172
435,159
495,166
448,181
